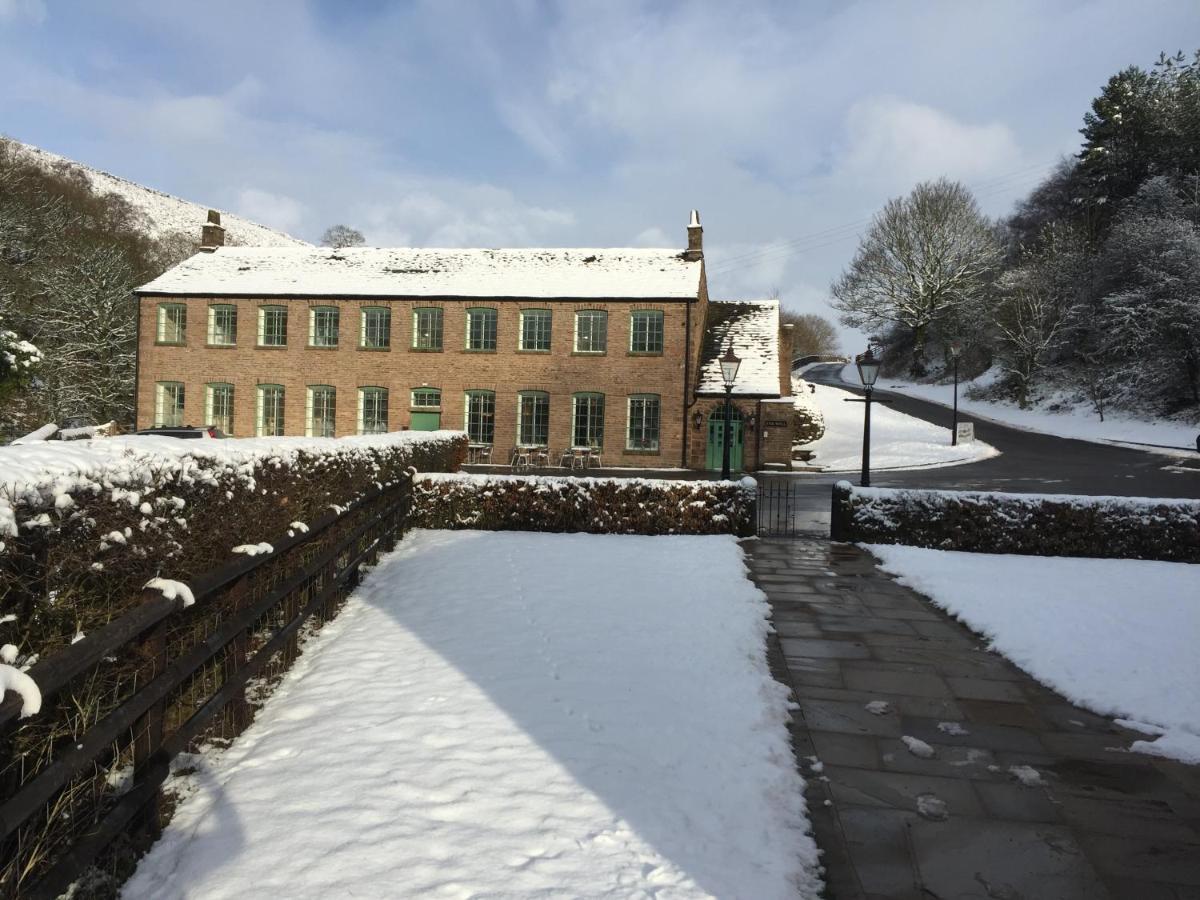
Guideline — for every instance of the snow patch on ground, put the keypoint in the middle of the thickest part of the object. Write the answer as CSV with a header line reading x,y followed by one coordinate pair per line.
x,y
1079,422
1117,636
917,747
878,707
480,720
897,441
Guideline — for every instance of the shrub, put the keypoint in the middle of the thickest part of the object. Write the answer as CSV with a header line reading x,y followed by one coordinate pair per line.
x,y
594,505
1031,524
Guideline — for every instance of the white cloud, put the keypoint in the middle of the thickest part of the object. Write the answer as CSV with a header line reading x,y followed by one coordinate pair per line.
x,y
895,142
278,211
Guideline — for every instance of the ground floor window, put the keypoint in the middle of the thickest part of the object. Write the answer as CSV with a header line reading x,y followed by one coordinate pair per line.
x,y
587,414
270,410
168,403
481,417
426,398
372,410
533,418
321,415
218,407
644,412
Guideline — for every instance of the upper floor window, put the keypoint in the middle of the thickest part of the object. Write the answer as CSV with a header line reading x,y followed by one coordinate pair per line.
x,y
269,412
272,326
222,324
481,329
172,323
533,418
426,398
535,329
218,406
376,328
587,413
644,411
168,403
323,326
372,410
321,414
427,328
591,331
646,331
481,417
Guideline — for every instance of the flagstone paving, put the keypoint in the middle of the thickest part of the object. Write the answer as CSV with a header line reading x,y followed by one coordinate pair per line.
x,y
1090,820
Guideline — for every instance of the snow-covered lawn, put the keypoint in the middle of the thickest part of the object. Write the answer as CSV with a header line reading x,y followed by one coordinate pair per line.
x,y
1079,422
513,715
898,441
1117,636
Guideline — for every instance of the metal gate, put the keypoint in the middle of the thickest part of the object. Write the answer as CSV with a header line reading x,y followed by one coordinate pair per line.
x,y
788,507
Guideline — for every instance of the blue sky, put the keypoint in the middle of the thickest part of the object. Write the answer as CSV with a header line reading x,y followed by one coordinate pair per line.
x,y
575,123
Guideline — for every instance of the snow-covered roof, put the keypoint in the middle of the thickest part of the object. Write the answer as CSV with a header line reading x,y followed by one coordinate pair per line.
x,y
161,215
752,327
420,272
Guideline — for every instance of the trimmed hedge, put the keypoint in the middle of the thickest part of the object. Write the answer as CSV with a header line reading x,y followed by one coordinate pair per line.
x,y
594,505
1029,524
84,527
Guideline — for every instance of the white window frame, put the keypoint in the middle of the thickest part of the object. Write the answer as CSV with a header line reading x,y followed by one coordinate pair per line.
x,y
377,421
262,324
592,419
315,313
174,392
541,399
530,315
486,418
260,421
591,316
383,335
642,400
438,316
225,422
216,310
412,398
169,331
329,413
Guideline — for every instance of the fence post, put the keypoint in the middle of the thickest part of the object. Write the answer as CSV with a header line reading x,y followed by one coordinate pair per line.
x,y
148,735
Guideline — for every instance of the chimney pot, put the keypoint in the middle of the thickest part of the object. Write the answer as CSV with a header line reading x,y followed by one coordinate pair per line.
x,y
695,248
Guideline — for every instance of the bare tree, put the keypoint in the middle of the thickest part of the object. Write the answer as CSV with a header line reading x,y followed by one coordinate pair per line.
x,y
925,256
338,236
811,334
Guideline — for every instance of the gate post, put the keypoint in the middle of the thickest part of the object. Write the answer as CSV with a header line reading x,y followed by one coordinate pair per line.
x,y
841,513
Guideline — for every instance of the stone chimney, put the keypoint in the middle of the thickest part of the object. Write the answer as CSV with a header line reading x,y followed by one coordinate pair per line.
x,y
212,235
695,248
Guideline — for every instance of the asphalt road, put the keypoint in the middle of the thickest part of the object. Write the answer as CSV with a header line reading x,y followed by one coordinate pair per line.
x,y
1033,463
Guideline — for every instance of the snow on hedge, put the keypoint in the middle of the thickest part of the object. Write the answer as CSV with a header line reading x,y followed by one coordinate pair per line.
x,y
596,505
41,477
513,715
1035,524
1117,636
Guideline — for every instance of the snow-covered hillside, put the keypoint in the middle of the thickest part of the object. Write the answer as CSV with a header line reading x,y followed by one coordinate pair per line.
x,y
163,216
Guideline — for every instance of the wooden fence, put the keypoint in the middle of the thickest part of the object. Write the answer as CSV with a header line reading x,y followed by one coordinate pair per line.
x,y
80,782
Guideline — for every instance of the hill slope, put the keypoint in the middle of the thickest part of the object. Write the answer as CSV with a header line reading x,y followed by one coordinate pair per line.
x,y
163,216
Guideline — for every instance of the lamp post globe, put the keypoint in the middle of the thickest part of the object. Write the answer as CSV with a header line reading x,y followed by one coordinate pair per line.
x,y
729,369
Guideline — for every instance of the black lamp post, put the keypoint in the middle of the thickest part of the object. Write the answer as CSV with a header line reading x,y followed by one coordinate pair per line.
x,y
955,350
729,370
868,371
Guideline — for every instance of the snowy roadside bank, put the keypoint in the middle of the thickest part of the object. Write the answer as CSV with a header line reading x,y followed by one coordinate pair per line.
x,y
1114,635
898,441
1081,424
481,720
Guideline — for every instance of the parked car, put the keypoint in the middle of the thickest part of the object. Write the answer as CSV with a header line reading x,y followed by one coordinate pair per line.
x,y
185,431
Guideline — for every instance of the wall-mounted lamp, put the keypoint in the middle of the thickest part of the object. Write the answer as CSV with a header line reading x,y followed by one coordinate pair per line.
x,y
697,419
751,421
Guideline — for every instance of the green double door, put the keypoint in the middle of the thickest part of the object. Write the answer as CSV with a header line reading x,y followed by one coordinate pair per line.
x,y
716,439
426,421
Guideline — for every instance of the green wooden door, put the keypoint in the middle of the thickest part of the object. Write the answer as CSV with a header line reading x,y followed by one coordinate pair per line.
x,y
716,436
426,421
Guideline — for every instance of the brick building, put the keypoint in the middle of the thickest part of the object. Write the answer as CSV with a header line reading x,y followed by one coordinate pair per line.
x,y
552,348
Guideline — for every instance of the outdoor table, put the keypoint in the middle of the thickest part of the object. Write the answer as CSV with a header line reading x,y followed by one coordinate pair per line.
x,y
473,452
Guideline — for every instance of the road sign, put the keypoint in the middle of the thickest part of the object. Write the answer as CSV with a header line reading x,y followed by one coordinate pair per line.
x,y
966,431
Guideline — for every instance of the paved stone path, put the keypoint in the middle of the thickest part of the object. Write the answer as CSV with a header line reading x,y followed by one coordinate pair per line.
x,y
896,822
